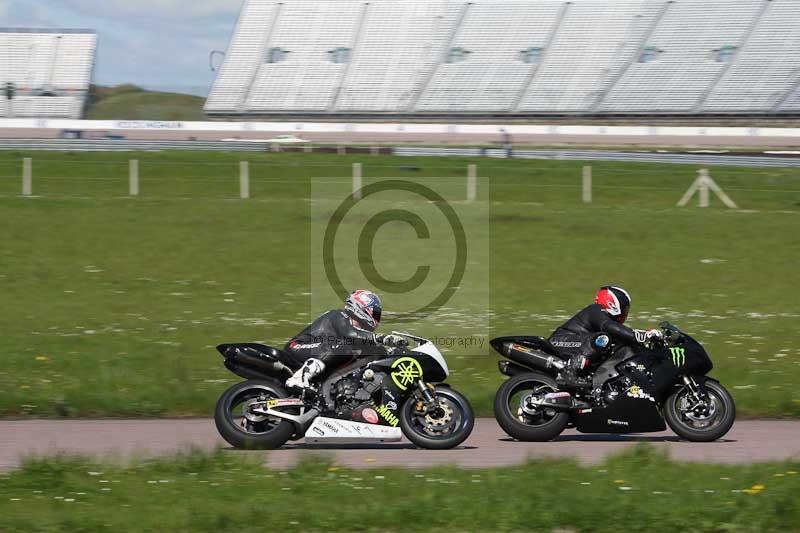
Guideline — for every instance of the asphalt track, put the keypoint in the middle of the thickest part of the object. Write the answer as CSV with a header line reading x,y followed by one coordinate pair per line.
x,y
748,442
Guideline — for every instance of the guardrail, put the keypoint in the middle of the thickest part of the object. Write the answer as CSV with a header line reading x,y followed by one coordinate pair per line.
x,y
114,145
592,155
107,145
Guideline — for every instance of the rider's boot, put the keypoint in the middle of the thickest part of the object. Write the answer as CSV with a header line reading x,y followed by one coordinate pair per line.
x,y
302,378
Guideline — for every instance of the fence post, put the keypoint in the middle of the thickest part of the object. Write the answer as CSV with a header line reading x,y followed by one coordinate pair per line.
x,y
587,184
308,148
357,181
341,150
27,176
133,177
244,180
375,150
702,175
472,182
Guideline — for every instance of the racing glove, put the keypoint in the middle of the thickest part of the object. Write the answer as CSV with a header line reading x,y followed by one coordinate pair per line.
x,y
391,340
643,336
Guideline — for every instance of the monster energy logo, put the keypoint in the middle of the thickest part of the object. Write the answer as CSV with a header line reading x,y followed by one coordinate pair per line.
x,y
678,356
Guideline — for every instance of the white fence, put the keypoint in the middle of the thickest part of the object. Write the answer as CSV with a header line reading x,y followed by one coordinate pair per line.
x,y
395,128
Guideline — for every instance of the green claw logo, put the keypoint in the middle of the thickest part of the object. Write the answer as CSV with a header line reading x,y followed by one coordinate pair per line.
x,y
678,356
407,371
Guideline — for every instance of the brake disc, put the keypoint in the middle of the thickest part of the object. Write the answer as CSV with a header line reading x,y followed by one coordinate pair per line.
x,y
441,421
247,411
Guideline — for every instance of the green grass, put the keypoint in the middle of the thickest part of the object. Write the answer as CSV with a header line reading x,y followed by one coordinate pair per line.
x,y
128,102
641,490
112,305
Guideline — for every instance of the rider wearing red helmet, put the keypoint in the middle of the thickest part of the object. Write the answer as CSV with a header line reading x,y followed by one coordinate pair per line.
x,y
337,337
589,332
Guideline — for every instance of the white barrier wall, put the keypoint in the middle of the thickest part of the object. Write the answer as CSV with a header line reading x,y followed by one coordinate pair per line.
x,y
342,127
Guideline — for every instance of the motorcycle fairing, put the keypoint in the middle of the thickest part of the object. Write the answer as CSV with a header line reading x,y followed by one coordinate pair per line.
x,y
334,430
626,414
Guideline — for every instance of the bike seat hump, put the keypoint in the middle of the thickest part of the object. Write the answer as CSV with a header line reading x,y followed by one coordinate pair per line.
x,y
538,343
259,351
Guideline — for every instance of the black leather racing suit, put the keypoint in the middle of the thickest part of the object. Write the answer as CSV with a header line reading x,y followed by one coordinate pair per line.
x,y
575,337
334,339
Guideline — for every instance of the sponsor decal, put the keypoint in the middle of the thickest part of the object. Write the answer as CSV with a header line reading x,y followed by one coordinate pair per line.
x,y
406,371
330,426
319,431
392,406
298,346
678,356
370,415
637,392
388,415
521,348
149,125
584,411
567,344
283,402
616,423
389,394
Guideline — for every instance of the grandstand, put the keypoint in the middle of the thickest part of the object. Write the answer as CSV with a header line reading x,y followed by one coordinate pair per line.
x,y
47,72
512,57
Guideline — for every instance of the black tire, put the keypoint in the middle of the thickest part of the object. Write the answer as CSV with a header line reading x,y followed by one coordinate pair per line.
x,y
544,428
686,427
450,434
245,434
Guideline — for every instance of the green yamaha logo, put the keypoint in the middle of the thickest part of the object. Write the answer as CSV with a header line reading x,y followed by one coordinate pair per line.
x,y
406,371
678,356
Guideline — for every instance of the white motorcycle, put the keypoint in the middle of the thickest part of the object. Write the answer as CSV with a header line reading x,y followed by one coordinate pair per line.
x,y
375,399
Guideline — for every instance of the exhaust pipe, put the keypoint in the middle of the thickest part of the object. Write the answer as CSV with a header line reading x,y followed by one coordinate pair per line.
x,y
531,357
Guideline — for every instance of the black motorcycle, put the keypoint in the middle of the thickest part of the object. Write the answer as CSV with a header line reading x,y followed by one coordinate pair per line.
x,y
631,390
375,399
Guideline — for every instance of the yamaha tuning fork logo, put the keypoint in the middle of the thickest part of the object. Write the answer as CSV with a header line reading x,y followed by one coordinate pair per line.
x,y
418,243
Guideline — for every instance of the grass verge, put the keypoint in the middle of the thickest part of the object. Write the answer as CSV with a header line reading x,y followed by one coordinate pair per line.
x,y
641,490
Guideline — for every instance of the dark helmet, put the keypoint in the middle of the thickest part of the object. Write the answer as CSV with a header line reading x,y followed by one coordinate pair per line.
x,y
365,307
615,301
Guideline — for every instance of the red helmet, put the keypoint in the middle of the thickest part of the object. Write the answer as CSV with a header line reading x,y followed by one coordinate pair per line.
x,y
365,306
615,301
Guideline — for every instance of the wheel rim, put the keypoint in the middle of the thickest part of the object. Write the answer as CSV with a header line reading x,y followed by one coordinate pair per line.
x,y
440,424
518,403
704,416
239,411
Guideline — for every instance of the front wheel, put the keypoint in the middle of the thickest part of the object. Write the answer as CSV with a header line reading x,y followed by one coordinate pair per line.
x,y
445,427
700,420
241,426
516,410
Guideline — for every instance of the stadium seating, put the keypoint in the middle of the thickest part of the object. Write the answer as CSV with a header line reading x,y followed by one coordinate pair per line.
x,y
51,71
763,76
496,57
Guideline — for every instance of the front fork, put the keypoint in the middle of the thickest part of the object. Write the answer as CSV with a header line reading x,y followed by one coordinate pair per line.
x,y
427,403
700,400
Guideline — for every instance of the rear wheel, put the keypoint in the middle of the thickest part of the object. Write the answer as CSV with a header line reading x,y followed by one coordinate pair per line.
x,y
522,420
241,426
445,427
703,420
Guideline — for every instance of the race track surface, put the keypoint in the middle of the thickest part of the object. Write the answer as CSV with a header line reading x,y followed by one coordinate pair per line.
x,y
748,442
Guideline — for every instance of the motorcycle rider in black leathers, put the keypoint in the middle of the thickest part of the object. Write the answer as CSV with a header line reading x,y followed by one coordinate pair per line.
x,y
337,337
585,336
